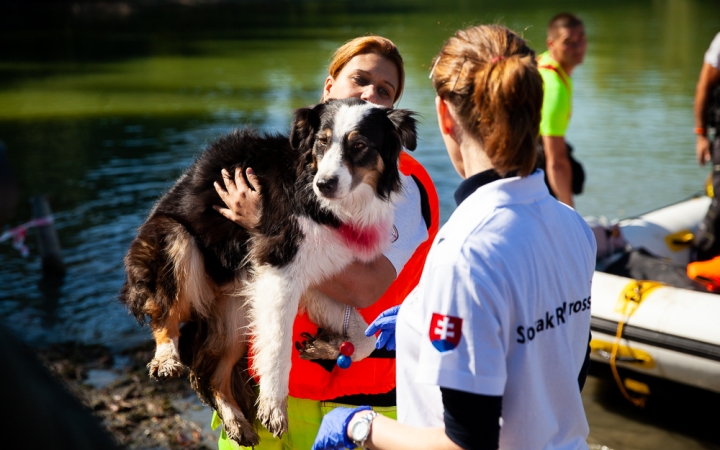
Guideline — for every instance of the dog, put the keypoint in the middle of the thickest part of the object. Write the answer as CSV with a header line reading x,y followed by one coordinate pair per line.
x,y
326,201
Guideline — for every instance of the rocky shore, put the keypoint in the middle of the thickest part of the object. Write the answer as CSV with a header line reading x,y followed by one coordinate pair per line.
x,y
139,413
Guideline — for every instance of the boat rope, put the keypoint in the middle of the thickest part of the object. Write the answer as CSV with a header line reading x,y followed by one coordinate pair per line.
x,y
630,298
19,233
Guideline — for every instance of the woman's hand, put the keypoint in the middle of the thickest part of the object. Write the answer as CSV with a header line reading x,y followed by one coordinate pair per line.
x,y
333,432
242,199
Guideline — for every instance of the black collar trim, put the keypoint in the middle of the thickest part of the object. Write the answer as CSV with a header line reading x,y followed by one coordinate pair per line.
x,y
472,184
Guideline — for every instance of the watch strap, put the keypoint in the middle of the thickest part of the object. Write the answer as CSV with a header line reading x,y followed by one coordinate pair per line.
x,y
368,418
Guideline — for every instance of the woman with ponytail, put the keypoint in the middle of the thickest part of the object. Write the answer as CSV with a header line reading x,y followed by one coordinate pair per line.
x,y
492,346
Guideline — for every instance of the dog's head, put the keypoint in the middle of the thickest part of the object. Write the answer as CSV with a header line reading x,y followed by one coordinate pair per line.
x,y
352,142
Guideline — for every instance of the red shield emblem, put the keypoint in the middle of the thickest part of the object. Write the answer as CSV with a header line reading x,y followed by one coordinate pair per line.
x,y
445,332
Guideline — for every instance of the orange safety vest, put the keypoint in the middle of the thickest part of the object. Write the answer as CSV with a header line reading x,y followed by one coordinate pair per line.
x,y
309,380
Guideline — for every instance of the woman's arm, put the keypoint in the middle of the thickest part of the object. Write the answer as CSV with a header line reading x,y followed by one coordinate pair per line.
x,y
359,285
393,435
472,421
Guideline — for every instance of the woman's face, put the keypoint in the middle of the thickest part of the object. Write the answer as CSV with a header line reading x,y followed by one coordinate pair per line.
x,y
370,77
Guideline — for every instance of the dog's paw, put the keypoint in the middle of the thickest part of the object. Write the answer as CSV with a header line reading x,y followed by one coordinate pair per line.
x,y
273,415
236,425
363,347
166,369
322,346
241,432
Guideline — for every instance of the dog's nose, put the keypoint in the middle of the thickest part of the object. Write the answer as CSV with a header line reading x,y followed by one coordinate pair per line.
x,y
327,185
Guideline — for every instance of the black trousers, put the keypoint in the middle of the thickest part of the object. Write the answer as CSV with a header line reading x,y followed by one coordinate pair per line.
x,y
707,239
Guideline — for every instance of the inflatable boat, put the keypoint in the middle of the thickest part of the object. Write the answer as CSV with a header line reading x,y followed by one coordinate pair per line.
x,y
650,327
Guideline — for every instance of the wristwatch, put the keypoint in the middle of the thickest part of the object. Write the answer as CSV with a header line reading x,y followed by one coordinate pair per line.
x,y
361,429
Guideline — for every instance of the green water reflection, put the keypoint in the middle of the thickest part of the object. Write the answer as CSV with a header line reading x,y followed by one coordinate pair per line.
x,y
257,61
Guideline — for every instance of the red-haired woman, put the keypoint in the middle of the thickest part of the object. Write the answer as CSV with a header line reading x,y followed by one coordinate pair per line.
x,y
499,324
370,68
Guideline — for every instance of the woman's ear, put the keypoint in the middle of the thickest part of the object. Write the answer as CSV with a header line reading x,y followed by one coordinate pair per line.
x,y
326,89
446,121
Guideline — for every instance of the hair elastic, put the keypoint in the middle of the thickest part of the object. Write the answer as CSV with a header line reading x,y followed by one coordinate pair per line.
x,y
432,71
496,59
459,73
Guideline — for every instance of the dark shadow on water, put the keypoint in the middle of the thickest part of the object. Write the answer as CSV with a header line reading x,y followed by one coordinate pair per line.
x,y
671,406
50,286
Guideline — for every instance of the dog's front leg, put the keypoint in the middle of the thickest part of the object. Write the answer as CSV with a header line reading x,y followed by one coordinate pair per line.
x,y
330,315
274,295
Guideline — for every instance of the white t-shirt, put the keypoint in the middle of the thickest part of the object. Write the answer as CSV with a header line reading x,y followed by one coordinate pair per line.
x,y
503,309
410,229
712,55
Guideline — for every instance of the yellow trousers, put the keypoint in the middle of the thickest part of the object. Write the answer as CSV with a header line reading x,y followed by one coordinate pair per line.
x,y
304,418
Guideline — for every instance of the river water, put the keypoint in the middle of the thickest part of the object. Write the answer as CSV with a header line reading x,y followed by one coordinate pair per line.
x,y
102,107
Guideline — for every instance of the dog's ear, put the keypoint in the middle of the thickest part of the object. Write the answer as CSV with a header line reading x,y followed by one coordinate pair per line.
x,y
305,124
405,124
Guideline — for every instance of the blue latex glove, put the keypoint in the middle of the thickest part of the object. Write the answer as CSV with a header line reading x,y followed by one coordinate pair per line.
x,y
385,322
333,429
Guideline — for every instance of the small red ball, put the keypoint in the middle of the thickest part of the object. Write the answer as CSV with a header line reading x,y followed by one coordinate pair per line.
x,y
346,348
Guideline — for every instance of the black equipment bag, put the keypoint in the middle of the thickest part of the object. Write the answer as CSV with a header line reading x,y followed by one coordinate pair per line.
x,y
640,264
712,113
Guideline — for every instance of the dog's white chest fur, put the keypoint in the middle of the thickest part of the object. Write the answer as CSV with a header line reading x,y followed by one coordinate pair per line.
x,y
275,293
364,237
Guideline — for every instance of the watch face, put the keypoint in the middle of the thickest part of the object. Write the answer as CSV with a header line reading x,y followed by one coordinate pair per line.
x,y
360,430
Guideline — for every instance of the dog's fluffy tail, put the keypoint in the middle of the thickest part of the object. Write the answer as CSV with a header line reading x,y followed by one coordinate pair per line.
x,y
165,269
150,285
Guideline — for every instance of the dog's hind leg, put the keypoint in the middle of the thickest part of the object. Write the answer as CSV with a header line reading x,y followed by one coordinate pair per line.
x,y
166,362
150,290
330,315
232,311
274,296
195,294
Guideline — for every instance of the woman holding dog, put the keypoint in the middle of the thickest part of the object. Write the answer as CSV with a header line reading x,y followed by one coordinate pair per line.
x,y
499,323
369,68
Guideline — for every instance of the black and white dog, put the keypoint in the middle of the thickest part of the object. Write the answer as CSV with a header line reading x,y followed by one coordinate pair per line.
x,y
326,202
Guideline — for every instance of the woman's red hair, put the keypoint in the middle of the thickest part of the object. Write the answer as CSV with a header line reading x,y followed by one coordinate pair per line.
x,y
369,44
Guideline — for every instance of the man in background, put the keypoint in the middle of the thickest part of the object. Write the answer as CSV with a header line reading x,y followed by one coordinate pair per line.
x,y
566,43
707,146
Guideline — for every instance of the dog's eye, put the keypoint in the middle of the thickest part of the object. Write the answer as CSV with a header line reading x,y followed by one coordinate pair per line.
x,y
359,146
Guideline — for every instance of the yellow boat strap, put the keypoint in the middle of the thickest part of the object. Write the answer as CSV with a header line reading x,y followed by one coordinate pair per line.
x,y
630,298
